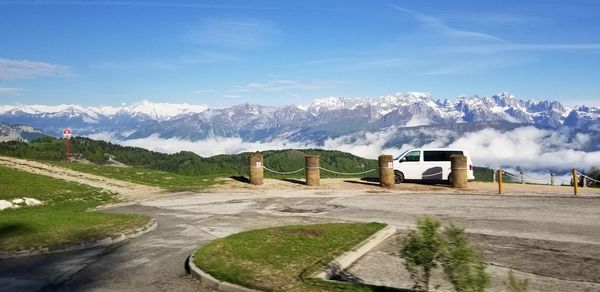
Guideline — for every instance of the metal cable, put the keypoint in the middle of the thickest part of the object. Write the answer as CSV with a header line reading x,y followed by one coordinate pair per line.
x,y
347,173
283,172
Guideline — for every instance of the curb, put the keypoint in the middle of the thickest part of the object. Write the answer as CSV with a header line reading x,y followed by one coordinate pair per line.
x,y
84,244
211,282
348,258
344,261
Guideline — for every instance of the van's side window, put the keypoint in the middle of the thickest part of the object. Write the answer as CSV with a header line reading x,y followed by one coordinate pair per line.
x,y
438,155
413,156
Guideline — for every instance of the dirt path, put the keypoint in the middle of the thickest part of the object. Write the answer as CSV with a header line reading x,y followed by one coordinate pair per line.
x,y
128,190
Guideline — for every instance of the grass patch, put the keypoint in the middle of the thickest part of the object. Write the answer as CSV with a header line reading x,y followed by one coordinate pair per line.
x,y
145,176
277,259
64,217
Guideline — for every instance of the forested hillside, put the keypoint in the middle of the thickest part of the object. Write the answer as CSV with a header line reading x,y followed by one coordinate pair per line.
x,y
186,163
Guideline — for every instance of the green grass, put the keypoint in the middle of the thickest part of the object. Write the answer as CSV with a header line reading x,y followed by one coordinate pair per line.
x,y
145,176
64,218
280,258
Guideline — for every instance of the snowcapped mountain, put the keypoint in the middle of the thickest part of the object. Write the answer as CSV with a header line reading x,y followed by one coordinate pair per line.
x,y
317,121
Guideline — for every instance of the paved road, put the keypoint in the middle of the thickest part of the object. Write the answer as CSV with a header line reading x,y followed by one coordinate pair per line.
x,y
155,261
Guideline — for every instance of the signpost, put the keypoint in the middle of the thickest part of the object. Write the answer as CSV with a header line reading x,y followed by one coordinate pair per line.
x,y
67,136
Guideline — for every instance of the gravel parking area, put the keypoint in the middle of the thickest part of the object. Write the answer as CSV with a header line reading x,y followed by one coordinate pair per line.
x,y
550,237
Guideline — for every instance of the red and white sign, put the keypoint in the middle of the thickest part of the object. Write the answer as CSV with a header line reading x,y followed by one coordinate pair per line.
x,y
67,133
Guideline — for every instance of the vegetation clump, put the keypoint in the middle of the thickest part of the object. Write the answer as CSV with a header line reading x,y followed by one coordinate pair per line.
x,y
428,247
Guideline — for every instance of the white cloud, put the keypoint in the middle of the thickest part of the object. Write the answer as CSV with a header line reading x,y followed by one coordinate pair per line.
x,y
207,147
236,33
10,90
525,148
16,69
285,86
528,148
437,25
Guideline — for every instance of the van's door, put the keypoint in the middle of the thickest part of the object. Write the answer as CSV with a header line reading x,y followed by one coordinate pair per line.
x,y
410,165
436,164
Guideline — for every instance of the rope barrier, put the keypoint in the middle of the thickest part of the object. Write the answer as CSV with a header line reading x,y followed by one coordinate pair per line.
x,y
283,172
534,178
511,175
594,180
347,173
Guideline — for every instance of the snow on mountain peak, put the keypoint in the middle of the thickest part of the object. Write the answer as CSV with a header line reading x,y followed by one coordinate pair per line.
x,y
162,111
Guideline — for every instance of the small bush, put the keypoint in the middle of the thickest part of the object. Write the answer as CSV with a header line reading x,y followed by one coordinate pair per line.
x,y
427,247
462,265
422,250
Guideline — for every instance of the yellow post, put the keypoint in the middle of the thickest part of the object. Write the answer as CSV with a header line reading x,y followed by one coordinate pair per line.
x,y
575,181
500,181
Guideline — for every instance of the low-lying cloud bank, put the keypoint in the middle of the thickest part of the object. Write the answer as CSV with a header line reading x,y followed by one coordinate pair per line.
x,y
526,148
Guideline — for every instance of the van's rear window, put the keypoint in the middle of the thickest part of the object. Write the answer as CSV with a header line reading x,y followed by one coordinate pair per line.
x,y
439,155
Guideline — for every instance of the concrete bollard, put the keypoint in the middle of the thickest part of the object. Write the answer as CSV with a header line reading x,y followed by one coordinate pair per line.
x,y
256,172
458,164
312,171
386,171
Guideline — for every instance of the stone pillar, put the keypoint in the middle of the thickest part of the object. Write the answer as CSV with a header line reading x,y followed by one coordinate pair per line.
x,y
386,171
312,171
256,172
458,164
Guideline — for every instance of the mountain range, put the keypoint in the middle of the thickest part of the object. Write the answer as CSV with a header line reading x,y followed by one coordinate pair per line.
x,y
315,122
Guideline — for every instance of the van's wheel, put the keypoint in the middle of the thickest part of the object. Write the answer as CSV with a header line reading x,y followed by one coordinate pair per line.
x,y
450,179
399,177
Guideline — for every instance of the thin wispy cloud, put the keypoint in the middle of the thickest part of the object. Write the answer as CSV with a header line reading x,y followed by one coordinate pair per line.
x,y
483,42
203,91
285,86
437,25
236,33
17,69
10,90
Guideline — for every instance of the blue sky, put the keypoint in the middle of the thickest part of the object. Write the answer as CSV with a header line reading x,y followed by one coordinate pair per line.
x,y
222,53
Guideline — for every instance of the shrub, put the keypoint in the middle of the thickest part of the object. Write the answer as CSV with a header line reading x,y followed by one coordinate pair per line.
x,y
462,265
427,247
422,250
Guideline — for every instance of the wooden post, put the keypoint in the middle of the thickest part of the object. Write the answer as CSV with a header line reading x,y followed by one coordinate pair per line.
x,y
522,181
458,164
584,182
551,178
386,171
575,181
493,175
256,172
500,181
313,172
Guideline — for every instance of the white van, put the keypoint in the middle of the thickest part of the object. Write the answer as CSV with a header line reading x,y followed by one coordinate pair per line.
x,y
428,164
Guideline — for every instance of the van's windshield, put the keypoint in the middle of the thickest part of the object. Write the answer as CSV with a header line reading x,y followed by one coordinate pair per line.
x,y
403,153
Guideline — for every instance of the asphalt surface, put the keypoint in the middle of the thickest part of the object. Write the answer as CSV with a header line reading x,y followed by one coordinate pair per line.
x,y
155,261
